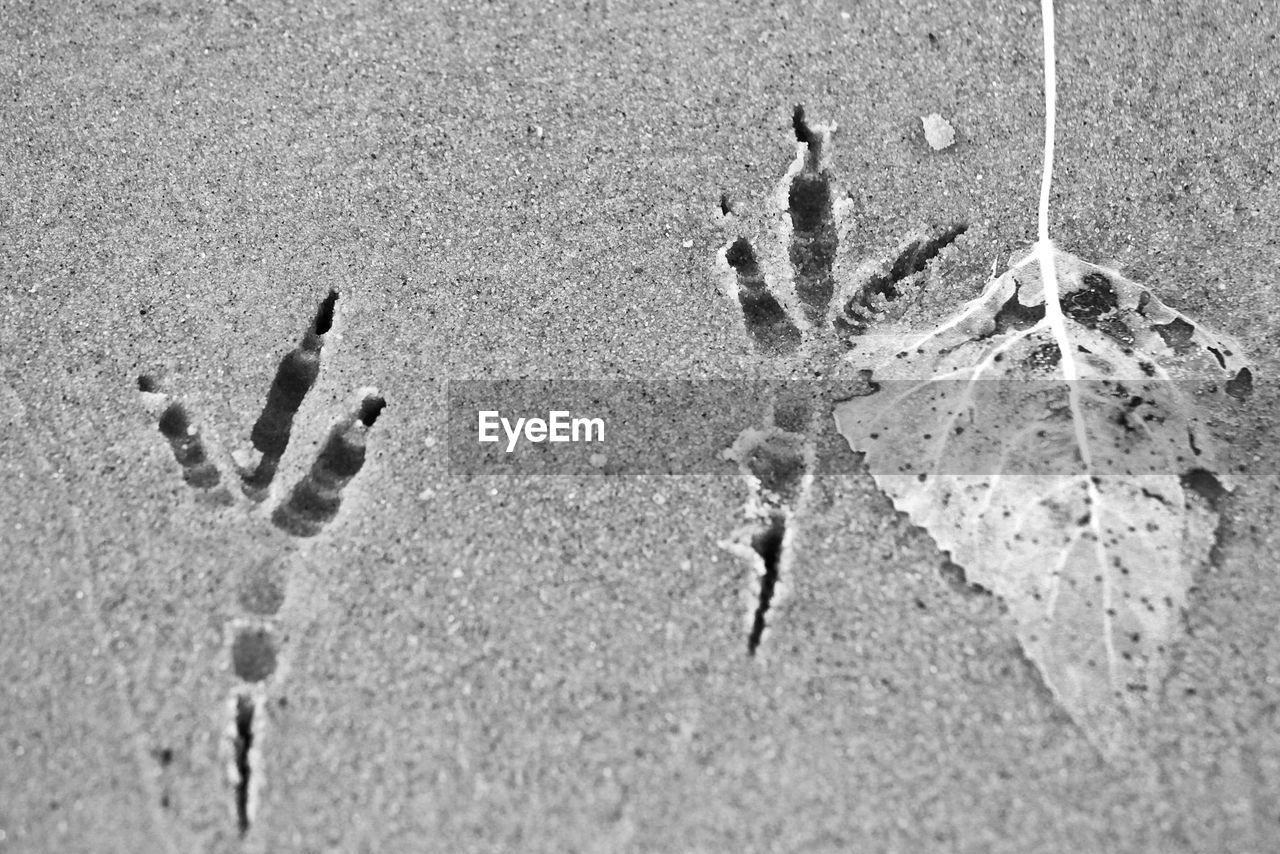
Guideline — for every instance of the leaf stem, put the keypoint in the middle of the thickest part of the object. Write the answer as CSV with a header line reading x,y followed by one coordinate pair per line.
x,y
1050,110
1044,249
1057,322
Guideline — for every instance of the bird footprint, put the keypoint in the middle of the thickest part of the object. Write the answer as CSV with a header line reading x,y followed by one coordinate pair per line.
x,y
803,306
312,503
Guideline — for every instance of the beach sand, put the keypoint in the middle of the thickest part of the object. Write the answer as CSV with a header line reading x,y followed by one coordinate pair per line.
x,y
489,663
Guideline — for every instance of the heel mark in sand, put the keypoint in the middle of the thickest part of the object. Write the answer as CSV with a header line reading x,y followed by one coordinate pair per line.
x,y
777,466
768,543
242,761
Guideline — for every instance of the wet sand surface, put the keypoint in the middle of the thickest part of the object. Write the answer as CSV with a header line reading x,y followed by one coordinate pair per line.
x,y
487,663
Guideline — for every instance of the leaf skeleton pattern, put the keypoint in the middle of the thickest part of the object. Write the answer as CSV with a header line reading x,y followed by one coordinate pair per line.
x,y
1072,504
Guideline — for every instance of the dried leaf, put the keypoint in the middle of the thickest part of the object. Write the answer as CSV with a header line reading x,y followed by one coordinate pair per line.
x,y
1066,499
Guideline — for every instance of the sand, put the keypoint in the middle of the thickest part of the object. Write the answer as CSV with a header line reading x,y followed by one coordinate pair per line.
x,y
486,663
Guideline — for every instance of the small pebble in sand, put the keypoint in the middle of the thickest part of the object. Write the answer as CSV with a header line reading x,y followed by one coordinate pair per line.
x,y
938,131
